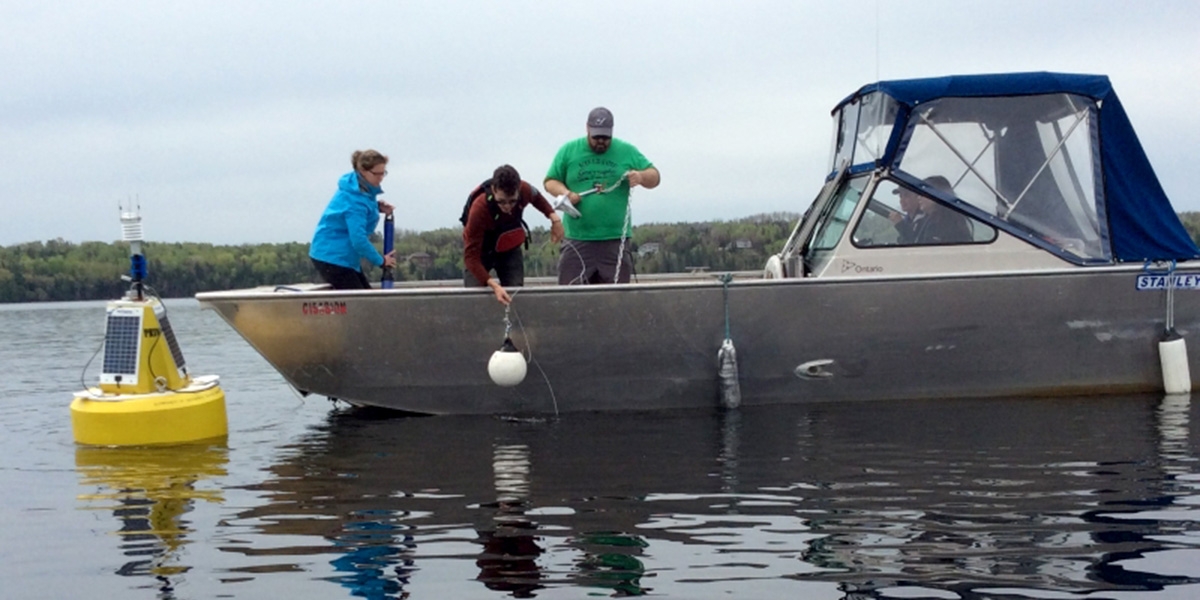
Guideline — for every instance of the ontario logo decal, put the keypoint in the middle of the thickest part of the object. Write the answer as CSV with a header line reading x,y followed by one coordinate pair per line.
x,y
849,265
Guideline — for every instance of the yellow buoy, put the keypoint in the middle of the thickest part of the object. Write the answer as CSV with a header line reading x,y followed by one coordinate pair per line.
x,y
193,413
146,395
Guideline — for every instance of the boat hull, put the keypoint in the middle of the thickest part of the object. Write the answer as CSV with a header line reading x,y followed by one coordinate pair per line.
x,y
653,345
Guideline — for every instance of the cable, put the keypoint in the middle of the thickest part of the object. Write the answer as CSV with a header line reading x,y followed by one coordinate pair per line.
x,y
159,382
83,372
301,398
621,253
579,279
625,227
529,348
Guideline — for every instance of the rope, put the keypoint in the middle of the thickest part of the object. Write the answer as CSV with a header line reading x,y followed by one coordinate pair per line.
x,y
625,228
725,279
1169,274
567,245
528,346
1171,298
727,370
624,235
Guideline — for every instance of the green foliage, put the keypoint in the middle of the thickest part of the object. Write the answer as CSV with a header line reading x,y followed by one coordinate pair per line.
x,y
60,270
1191,222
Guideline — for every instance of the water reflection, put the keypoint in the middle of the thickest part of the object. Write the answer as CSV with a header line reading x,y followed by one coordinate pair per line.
x,y
1146,534
870,500
1173,432
612,560
374,560
508,561
1013,501
150,491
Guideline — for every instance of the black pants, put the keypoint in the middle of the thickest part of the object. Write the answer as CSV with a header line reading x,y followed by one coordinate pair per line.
x,y
341,278
509,267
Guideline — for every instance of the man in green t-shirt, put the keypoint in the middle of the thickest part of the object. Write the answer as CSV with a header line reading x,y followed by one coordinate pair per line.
x,y
596,173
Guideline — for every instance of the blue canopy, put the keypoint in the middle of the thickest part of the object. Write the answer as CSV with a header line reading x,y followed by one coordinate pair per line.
x,y
1140,222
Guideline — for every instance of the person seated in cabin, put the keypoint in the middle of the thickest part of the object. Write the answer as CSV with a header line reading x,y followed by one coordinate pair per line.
x,y
906,219
494,231
940,224
343,236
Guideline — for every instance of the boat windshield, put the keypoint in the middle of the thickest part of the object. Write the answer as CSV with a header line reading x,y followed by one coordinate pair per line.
x,y
861,130
1025,162
837,214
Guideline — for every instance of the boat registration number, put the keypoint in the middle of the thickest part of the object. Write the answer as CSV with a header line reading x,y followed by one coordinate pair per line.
x,y
324,308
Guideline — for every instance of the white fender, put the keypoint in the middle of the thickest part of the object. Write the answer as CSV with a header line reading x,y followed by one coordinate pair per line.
x,y
774,268
1172,353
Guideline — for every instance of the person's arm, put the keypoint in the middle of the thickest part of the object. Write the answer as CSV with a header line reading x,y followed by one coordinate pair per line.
x,y
359,228
498,290
557,188
556,176
647,178
473,232
539,202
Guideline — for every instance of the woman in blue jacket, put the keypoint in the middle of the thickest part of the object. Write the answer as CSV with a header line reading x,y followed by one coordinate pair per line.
x,y
343,234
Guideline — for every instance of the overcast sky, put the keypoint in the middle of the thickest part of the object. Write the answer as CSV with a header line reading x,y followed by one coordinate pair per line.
x,y
230,122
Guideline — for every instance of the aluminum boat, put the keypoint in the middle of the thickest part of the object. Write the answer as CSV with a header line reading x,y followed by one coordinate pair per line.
x,y
1067,269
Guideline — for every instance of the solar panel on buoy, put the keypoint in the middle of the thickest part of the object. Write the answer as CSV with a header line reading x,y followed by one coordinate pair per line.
x,y
122,335
172,343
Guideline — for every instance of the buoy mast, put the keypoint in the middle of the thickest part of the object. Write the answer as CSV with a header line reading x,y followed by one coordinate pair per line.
x,y
131,231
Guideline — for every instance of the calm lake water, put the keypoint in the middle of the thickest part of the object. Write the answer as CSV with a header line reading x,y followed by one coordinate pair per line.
x,y
1006,499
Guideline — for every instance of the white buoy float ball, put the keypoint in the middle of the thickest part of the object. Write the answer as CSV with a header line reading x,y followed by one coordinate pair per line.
x,y
507,365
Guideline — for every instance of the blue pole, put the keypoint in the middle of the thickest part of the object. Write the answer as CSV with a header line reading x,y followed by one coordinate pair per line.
x,y
137,267
389,235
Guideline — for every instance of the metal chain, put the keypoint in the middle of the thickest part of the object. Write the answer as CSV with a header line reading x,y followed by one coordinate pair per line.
x,y
507,321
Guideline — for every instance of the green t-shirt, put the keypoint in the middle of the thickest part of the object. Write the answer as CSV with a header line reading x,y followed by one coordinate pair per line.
x,y
602,216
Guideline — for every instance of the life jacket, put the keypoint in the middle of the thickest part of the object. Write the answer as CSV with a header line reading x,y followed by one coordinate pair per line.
x,y
508,233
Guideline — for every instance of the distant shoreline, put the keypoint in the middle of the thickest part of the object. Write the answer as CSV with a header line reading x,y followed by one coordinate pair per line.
x,y
58,270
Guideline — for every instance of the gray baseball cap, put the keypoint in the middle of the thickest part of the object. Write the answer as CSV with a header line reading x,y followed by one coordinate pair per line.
x,y
600,122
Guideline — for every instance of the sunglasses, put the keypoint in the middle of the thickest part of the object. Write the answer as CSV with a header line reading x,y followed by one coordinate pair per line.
x,y
602,138
379,173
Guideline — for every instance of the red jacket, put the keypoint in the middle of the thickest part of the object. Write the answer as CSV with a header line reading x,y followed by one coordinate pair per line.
x,y
490,231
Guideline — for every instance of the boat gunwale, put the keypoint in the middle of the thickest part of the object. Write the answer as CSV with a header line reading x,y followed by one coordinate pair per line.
x,y
692,281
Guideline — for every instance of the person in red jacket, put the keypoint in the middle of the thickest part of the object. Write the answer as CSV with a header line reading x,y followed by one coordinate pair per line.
x,y
494,232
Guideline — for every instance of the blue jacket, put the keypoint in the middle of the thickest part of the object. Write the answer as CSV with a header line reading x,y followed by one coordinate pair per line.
x,y
343,233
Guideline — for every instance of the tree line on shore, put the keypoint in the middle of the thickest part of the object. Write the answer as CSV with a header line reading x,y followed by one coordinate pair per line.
x,y
59,270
